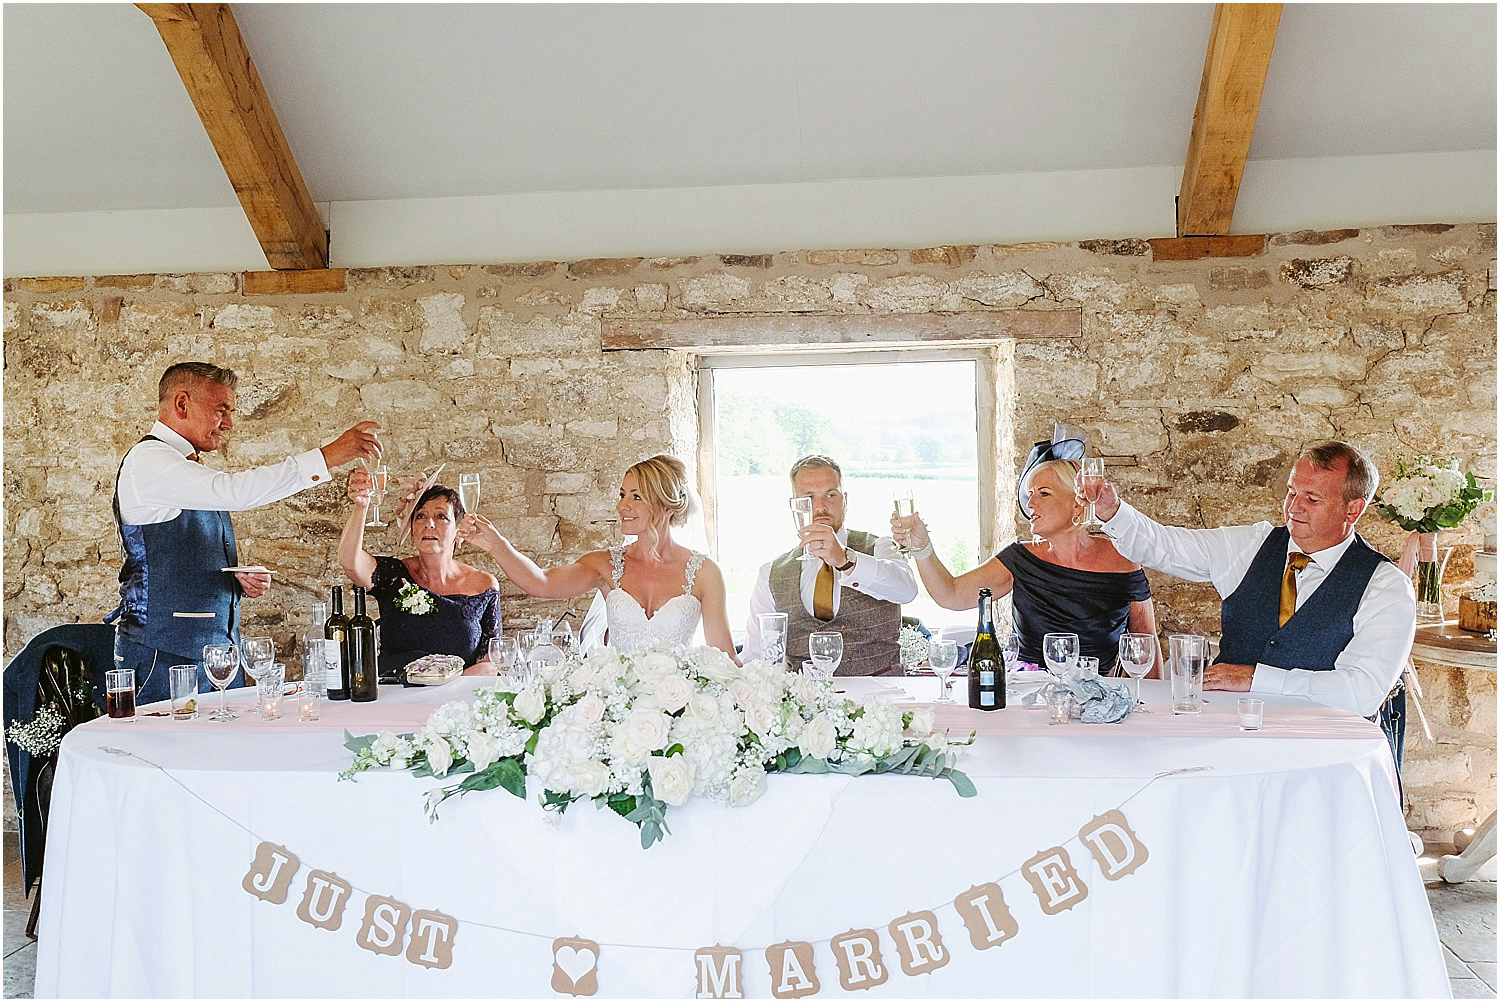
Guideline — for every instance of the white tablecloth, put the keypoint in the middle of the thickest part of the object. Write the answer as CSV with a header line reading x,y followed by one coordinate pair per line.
x,y
1278,867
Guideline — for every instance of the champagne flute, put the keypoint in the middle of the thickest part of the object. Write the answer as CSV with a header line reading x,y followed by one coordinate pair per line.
x,y
826,650
942,655
802,514
220,662
1091,481
468,491
906,506
1010,652
380,482
1137,654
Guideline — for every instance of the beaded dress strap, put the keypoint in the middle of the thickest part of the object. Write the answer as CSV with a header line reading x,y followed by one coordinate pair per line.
x,y
694,562
616,564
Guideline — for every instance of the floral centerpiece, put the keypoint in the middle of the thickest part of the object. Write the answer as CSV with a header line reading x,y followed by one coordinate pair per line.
x,y
642,732
1425,496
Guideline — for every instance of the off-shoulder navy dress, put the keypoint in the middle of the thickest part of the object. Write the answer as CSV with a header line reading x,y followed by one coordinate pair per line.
x,y
458,624
1048,598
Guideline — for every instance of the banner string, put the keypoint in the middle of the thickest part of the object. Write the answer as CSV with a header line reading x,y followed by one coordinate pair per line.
x,y
626,946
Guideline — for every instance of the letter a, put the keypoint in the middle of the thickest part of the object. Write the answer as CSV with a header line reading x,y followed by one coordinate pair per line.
x,y
1115,847
270,874
792,973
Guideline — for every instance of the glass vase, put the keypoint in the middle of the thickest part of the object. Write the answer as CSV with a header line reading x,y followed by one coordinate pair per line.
x,y
1428,577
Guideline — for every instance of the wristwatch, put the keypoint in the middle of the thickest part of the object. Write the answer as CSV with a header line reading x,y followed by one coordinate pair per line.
x,y
848,564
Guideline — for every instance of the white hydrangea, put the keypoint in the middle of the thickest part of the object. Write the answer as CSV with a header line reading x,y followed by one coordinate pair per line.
x,y
878,730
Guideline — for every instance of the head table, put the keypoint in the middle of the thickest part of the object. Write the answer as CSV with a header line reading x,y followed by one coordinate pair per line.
x,y
1273,863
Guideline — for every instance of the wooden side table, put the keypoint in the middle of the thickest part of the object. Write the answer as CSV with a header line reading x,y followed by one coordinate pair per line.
x,y
1448,645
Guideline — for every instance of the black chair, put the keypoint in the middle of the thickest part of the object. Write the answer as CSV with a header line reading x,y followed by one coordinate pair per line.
x,y
63,666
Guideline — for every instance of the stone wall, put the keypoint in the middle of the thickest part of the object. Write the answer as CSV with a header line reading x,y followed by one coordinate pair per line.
x,y
1199,381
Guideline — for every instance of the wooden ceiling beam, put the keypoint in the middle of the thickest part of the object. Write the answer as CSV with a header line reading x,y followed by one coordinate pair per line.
x,y
205,45
1234,74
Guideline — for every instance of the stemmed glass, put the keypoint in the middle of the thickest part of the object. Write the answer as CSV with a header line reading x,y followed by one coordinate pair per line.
x,y
826,651
1010,652
942,655
220,662
906,506
380,482
802,513
259,653
1060,652
502,653
562,637
1137,654
1091,481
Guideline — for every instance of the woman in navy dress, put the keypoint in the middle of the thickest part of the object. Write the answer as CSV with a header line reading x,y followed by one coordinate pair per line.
x,y
1062,581
430,603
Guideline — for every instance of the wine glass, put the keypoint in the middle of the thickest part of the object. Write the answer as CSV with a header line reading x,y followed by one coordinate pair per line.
x,y
826,650
1137,654
380,482
562,637
943,656
220,662
1091,481
1060,652
1010,652
802,513
259,653
906,506
468,491
502,654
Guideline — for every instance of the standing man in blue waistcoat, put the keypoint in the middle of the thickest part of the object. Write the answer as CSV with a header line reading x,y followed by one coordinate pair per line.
x,y
172,518
1309,608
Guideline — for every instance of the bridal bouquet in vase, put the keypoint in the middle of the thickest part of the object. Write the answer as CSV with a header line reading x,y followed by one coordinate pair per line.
x,y
643,732
1424,497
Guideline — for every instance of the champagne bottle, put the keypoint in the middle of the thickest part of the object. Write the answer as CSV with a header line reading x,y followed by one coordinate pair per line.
x,y
336,649
314,663
986,667
364,681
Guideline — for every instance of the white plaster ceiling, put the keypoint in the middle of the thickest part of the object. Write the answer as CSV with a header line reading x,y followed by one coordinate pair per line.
x,y
400,101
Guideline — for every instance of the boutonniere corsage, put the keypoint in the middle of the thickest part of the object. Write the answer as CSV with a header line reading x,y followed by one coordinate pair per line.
x,y
413,600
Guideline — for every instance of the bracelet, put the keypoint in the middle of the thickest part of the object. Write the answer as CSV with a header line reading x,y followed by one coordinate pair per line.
x,y
923,553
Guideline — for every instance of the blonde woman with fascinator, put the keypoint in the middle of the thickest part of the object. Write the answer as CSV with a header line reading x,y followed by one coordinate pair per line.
x,y
655,589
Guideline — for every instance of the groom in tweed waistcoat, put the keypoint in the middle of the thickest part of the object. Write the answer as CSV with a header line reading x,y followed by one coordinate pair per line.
x,y
855,587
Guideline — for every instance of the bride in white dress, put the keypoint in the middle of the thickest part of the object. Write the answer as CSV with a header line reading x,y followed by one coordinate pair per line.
x,y
655,589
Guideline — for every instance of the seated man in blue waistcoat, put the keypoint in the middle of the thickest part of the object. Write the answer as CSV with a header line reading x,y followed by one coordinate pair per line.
x,y
172,518
1309,608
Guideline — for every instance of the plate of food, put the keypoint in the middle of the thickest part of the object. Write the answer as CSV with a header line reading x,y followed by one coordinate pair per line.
x,y
434,669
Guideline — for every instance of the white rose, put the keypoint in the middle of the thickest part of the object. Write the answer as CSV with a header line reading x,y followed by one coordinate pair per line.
x,y
671,779
530,704
748,784
653,667
761,718
590,776
704,709
439,755
590,709
648,728
819,738
714,665
673,692
743,691
623,748
482,750
921,723
583,675
937,742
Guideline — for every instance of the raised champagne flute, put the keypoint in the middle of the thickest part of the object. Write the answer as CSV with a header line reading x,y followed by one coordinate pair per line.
x,y
380,482
802,514
1091,482
906,506
942,655
220,662
1137,654
468,491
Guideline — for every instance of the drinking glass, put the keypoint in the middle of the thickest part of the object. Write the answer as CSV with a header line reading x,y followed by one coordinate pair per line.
x,y
119,688
1010,653
826,650
1091,481
269,687
259,652
468,491
906,506
772,637
1251,711
943,656
380,482
802,513
1060,652
1188,654
182,682
502,654
562,637
220,662
1137,654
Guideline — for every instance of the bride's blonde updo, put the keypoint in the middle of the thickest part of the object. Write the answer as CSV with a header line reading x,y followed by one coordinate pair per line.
x,y
663,483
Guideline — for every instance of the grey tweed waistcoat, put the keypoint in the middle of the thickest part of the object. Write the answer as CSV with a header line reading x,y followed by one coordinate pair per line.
x,y
870,626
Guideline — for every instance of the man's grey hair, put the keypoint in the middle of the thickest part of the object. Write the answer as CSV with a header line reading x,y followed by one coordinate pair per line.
x,y
1361,479
815,462
185,374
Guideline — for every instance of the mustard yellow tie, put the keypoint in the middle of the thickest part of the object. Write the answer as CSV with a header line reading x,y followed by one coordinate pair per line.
x,y
194,457
1294,563
823,593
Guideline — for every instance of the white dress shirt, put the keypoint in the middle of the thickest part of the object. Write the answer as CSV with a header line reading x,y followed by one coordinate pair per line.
x,y
157,481
1384,624
884,574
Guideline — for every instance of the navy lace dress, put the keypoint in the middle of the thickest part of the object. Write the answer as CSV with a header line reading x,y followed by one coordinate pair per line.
x,y
457,624
1048,598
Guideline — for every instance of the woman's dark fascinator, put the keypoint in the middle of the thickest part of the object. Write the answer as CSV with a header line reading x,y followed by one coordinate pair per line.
x,y
1066,443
